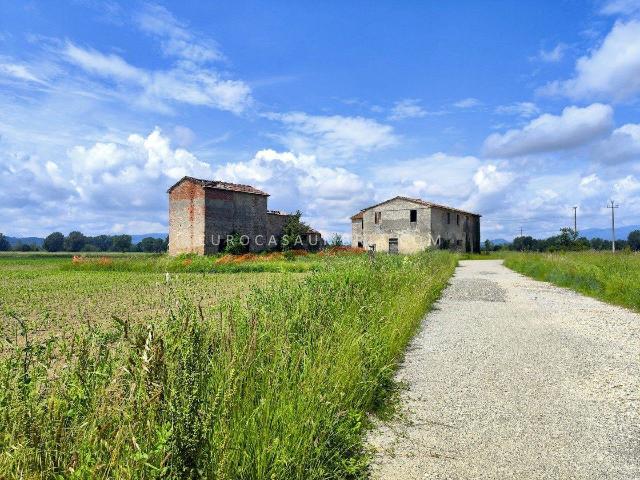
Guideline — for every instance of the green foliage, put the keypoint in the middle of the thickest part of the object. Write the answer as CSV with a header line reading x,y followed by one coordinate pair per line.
x,y
294,232
236,244
273,384
634,240
610,277
121,243
4,243
336,240
74,242
151,245
54,242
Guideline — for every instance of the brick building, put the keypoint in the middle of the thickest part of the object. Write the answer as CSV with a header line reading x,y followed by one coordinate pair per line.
x,y
409,225
203,213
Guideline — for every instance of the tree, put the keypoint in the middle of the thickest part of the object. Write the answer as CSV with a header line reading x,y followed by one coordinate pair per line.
x,y
151,245
336,240
294,232
54,242
634,240
488,245
121,243
101,242
4,243
74,242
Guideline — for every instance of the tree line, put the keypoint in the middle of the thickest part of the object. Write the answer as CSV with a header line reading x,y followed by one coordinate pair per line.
x,y
567,240
78,242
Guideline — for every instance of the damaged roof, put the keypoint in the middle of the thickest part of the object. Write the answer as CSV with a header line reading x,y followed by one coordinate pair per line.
x,y
220,185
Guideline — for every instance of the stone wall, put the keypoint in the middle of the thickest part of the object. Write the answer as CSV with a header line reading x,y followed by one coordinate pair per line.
x,y
357,233
186,218
455,230
228,212
395,224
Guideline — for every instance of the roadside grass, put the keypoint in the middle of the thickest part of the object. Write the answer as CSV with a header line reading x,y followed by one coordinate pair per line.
x,y
271,382
614,278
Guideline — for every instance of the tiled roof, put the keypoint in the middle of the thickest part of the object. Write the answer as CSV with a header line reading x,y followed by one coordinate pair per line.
x,y
419,202
278,212
217,184
357,216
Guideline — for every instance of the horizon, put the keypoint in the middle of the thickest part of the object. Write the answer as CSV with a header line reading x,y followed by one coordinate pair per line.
x,y
519,111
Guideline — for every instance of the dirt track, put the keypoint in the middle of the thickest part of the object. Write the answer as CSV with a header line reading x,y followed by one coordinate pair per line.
x,y
514,378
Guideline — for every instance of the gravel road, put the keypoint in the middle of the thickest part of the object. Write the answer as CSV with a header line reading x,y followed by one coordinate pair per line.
x,y
514,378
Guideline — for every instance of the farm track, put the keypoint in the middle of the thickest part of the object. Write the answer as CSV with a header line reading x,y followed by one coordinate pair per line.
x,y
515,378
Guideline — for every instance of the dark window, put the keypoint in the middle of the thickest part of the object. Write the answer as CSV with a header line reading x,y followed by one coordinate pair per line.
x,y
362,223
448,218
457,219
413,215
359,244
393,245
376,217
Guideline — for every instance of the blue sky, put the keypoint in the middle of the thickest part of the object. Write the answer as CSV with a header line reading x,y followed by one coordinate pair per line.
x,y
516,110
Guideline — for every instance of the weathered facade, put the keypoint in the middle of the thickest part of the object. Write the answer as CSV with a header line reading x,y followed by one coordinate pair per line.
x,y
409,225
203,213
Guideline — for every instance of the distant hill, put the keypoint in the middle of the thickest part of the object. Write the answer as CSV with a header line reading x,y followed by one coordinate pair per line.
x,y
138,238
621,232
37,241
13,241
499,241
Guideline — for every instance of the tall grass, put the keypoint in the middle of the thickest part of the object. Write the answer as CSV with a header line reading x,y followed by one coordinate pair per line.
x,y
610,277
274,385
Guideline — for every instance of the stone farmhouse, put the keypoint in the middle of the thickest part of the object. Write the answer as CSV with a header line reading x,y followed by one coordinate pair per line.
x,y
409,225
204,213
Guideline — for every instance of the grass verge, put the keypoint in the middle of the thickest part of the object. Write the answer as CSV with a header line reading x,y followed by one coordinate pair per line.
x,y
613,278
275,384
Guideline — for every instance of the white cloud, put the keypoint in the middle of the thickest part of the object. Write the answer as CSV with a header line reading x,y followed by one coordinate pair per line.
x,y
591,185
185,83
573,127
610,71
326,195
467,103
523,109
623,145
177,39
554,55
620,7
17,71
408,108
491,186
333,135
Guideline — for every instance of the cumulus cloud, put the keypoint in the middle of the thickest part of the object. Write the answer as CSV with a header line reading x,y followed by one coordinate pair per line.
x,y
96,183
573,127
610,71
623,145
491,185
522,109
408,108
326,195
333,135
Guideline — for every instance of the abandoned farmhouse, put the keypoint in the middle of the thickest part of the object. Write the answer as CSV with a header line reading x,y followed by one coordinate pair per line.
x,y
409,225
203,213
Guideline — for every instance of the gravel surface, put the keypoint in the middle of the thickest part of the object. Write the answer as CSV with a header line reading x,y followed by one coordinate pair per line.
x,y
514,378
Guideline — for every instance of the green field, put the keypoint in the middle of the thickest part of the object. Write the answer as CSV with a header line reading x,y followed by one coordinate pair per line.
x,y
614,278
109,370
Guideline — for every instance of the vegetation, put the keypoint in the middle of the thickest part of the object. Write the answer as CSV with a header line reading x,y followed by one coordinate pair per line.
x,y
293,232
4,243
273,382
610,277
568,240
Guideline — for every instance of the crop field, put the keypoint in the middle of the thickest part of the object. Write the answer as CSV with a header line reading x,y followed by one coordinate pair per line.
x,y
151,367
614,278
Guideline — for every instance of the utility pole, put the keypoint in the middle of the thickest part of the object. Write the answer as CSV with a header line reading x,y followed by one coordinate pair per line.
x,y
520,231
613,207
575,221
